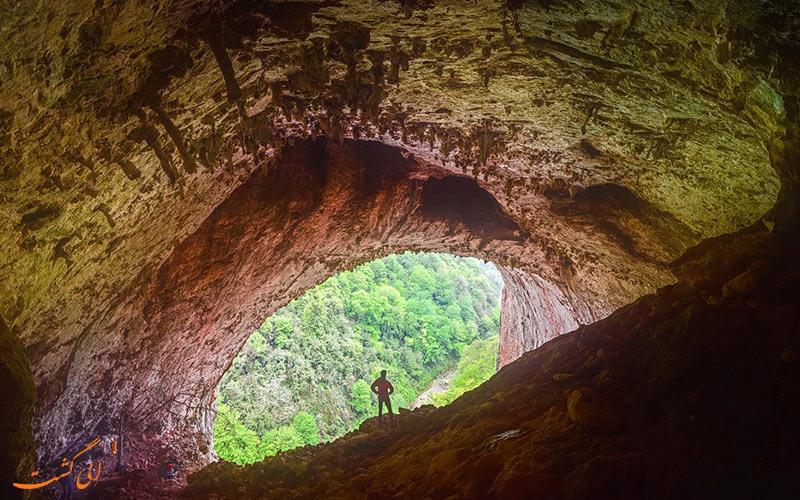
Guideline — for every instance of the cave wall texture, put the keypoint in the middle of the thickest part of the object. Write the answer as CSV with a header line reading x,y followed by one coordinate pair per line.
x,y
17,403
174,171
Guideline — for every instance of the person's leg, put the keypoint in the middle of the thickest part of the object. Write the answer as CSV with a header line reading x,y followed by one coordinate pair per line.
x,y
392,416
380,408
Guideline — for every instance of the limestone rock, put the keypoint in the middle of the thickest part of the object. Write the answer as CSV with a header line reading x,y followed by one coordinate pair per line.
x,y
17,401
608,476
589,408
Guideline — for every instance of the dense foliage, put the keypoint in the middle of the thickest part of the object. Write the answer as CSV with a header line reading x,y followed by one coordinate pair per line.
x,y
304,374
476,365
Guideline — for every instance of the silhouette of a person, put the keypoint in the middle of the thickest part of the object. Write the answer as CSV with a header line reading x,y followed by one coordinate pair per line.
x,y
383,388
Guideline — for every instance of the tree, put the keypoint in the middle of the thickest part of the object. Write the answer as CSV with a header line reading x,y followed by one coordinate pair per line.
x,y
282,439
360,397
284,329
475,367
306,427
233,441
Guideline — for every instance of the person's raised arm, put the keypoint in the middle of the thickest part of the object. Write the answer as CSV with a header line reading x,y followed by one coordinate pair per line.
x,y
374,387
390,387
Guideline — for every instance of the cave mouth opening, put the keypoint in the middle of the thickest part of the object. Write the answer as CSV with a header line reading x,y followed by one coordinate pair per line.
x,y
432,320
321,209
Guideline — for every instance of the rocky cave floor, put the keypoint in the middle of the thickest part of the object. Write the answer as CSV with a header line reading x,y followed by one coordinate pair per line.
x,y
656,401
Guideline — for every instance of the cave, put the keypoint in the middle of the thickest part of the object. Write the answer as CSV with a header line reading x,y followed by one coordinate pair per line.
x,y
174,172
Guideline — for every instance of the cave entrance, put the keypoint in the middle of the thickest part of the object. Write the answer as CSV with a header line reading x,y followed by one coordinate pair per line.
x,y
432,320
320,209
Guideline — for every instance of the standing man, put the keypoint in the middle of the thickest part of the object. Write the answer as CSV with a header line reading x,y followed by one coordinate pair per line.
x,y
383,388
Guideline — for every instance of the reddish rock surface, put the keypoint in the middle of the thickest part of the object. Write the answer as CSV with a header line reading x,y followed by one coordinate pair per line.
x,y
535,311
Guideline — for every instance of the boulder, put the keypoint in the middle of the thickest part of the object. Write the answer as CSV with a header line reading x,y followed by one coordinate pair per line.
x,y
592,410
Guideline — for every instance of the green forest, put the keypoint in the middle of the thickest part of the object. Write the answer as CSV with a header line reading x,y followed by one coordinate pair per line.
x,y
303,376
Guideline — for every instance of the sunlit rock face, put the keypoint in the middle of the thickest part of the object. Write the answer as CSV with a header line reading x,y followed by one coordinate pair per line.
x,y
533,312
174,171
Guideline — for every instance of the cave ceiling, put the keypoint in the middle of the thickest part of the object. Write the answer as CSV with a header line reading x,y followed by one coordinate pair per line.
x,y
613,134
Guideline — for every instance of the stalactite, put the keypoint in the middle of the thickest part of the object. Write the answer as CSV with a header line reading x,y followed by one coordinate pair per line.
x,y
188,162
77,158
485,139
591,112
129,169
102,208
148,134
60,253
229,158
208,148
214,40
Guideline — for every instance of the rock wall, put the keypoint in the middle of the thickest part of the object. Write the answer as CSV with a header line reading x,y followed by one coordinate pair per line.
x,y
17,402
535,311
